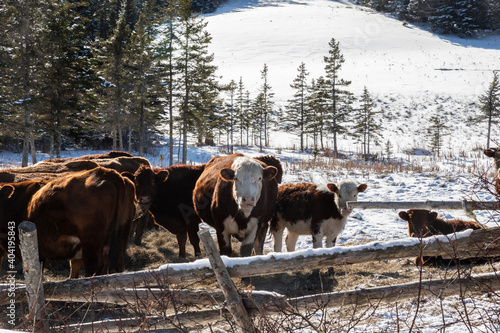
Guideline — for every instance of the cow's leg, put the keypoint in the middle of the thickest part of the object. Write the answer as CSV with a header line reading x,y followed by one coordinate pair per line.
x,y
140,226
278,239
193,229
75,268
261,238
291,240
248,241
224,240
330,241
181,242
317,240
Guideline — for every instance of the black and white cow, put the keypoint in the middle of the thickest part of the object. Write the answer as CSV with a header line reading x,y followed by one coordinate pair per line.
x,y
308,209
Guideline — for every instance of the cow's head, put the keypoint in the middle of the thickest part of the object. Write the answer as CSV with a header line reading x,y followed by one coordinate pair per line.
x,y
418,221
346,191
495,153
247,176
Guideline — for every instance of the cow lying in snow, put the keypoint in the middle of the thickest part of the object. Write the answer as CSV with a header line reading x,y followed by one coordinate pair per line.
x,y
424,223
236,194
308,209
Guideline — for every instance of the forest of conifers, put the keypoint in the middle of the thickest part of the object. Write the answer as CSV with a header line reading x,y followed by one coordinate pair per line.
x,y
92,74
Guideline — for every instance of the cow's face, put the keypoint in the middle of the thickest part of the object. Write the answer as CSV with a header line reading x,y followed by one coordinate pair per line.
x,y
346,191
495,153
418,221
145,185
247,176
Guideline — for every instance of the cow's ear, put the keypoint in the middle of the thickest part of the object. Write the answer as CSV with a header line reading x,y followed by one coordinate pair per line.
x,y
270,172
489,152
404,215
362,187
332,187
161,176
6,191
128,175
227,174
433,215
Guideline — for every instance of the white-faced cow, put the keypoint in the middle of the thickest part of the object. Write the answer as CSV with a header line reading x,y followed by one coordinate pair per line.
x,y
308,209
235,194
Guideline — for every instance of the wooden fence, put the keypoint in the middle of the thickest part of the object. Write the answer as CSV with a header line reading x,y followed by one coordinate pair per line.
x,y
126,288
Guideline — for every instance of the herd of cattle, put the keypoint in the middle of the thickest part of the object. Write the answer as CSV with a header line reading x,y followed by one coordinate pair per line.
x,y
87,208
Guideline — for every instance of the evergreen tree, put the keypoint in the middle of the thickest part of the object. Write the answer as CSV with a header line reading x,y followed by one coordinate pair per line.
x,y
266,106
490,106
242,108
462,17
297,107
437,131
231,89
318,115
199,88
165,67
339,99
366,128
113,70
145,86
67,99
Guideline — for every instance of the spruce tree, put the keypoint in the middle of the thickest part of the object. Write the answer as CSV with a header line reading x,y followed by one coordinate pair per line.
x,y
113,57
339,99
490,106
266,96
366,128
199,88
145,85
437,130
317,105
297,106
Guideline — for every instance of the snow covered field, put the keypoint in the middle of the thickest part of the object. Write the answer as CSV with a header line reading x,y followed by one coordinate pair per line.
x,y
411,72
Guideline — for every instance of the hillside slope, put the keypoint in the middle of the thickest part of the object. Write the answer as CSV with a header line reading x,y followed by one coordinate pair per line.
x,y
411,71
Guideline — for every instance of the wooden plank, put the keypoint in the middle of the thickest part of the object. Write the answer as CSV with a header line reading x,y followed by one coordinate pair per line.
x,y
429,204
32,268
478,242
233,302
467,286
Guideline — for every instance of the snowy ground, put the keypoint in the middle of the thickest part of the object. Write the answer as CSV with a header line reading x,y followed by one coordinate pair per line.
x,y
412,73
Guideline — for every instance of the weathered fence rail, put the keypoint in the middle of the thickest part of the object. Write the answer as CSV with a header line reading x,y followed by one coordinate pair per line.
x,y
113,288
485,242
466,205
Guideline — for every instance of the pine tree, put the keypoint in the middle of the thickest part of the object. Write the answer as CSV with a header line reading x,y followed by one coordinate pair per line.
x,y
437,131
114,59
266,109
231,89
165,67
199,88
490,106
67,100
366,128
297,107
339,98
142,100
318,115
242,109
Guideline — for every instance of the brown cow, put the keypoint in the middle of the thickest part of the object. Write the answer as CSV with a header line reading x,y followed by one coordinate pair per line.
x,y
424,223
309,209
82,217
495,153
171,201
235,194
109,154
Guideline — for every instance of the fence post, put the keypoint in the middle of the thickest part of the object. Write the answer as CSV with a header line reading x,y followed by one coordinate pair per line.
x,y
233,302
33,275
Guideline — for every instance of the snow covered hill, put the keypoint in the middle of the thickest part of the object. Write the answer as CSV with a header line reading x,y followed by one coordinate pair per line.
x,y
411,71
